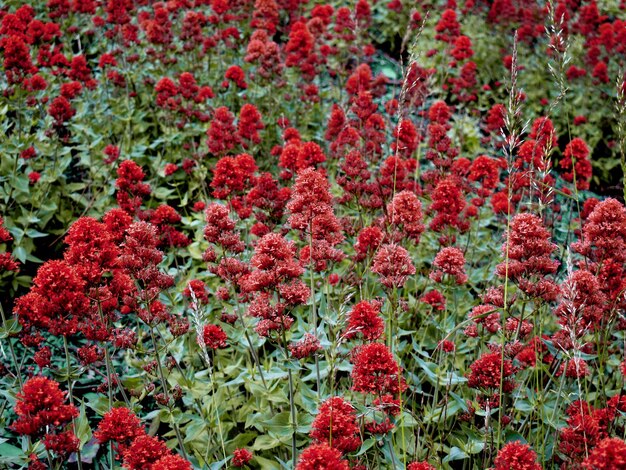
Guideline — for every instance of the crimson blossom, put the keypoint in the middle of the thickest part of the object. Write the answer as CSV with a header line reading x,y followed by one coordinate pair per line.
x,y
321,457
419,466
449,262
527,251
609,454
275,283
393,264
241,457
336,424
518,456
364,319
41,407
491,369
376,370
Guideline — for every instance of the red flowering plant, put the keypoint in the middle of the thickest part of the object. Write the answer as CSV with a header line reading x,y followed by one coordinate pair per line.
x,y
269,234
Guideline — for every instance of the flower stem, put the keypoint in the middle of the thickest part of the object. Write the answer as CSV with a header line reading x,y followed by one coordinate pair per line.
x,y
71,396
165,391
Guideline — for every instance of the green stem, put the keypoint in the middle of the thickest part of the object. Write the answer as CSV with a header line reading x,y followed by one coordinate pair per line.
x,y
165,391
71,395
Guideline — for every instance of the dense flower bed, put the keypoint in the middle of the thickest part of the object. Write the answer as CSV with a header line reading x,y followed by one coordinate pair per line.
x,y
312,235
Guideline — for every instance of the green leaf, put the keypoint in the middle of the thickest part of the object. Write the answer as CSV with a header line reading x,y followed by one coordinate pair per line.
x,y
455,454
83,431
10,454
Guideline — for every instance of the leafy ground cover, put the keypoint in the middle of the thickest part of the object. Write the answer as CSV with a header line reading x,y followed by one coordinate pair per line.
x,y
291,234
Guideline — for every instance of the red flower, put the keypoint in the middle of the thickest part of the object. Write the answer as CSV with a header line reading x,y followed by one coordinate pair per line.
x,y
321,457
40,407
56,302
367,242
237,76
241,457
80,71
233,175
435,299
518,456
249,124
404,214
336,424
448,203
222,133
61,110
120,425
528,248
576,156
34,177
585,428
312,213
450,262
167,91
583,303
144,451
171,462
27,154
393,264
462,48
17,61
609,454
42,357
487,371
299,49
487,171
199,290
375,370
405,138
306,347
420,466
220,229
575,368
214,337
131,189
63,443
448,28
365,319
604,233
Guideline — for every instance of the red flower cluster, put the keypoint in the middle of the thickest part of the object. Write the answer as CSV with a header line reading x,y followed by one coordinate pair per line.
x,y
336,424
306,347
220,229
364,319
275,271
241,457
420,466
131,190
609,454
404,215
41,409
213,337
321,457
120,425
449,262
7,262
139,450
576,161
376,371
489,370
311,212
448,203
56,302
528,249
222,134
393,264
516,455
